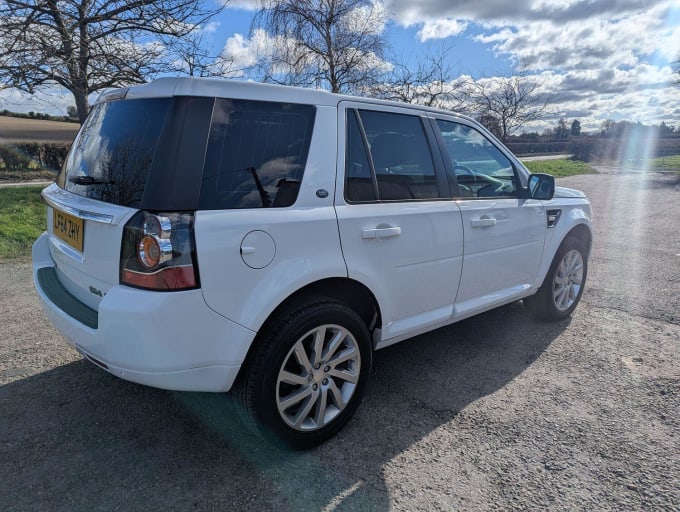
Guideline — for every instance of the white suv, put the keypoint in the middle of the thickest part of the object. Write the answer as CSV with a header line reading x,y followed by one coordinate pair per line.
x,y
208,235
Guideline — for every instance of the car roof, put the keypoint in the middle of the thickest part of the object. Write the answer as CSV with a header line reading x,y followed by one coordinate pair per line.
x,y
242,89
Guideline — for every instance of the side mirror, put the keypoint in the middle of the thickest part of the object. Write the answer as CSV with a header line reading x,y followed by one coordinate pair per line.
x,y
541,186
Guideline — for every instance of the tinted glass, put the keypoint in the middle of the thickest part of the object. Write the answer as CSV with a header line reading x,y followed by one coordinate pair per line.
x,y
480,168
112,154
401,156
359,181
256,156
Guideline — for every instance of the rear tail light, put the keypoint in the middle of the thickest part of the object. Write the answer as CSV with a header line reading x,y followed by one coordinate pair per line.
x,y
158,252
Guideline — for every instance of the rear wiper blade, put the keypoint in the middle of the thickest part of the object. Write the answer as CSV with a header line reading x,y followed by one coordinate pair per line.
x,y
264,195
90,180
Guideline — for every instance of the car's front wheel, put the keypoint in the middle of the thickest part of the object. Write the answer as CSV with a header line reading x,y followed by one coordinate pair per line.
x,y
307,374
563,286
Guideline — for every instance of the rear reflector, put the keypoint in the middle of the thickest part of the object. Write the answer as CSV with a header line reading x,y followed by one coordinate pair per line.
x,y
169,278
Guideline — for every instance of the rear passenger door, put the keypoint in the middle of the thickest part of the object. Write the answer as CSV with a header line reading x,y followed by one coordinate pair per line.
x,y
504,230
401,234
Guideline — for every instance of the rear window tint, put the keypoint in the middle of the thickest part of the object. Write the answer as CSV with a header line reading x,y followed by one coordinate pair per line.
x,y
256,155
112,154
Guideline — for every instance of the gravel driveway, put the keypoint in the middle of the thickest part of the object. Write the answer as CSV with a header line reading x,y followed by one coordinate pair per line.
x,y
496,412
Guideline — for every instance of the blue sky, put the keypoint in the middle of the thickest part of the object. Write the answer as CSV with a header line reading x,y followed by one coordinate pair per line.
x,y
467,55
607,59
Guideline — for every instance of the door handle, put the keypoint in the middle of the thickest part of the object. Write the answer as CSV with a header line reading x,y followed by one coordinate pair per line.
x,y
483,222
380,232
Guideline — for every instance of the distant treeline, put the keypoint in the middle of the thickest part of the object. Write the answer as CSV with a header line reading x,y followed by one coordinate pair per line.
x,y
589,149
39,115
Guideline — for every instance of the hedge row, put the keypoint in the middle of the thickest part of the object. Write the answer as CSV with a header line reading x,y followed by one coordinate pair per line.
x,y
33,155
529,148
588,149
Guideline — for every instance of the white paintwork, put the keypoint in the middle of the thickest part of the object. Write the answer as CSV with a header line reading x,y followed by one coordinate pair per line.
x,y
98,265
307,250
503,255
427,263
258,249
409,254
415,274
575,212
145,336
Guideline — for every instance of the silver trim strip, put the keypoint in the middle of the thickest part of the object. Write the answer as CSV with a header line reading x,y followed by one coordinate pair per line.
x,y
83,214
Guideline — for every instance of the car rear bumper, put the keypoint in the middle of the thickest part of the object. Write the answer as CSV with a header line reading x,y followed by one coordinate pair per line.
x,y
169,340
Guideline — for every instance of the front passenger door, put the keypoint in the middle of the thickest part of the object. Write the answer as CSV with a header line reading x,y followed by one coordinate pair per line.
x,y
504,231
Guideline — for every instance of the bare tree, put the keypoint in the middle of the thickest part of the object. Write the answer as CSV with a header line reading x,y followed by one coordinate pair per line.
x,y
432,83
193,56
89,45
607,128
333,43
513,100
491,123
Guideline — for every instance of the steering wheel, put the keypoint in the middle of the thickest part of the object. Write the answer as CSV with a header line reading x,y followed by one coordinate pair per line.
x,y
466,170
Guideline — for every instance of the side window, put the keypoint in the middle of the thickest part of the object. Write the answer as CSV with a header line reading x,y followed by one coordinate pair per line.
x,y
480,168
256,155
359,186
400,155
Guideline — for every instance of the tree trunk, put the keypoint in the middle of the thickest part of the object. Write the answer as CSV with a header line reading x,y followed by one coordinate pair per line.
x,y
81,104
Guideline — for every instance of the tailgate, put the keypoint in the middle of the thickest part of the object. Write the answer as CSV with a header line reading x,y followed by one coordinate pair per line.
x,y
84,238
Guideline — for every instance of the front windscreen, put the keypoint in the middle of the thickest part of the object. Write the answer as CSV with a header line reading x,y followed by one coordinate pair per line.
x,y
111,157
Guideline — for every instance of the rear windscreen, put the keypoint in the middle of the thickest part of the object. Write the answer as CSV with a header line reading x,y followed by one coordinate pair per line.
x,y
111,157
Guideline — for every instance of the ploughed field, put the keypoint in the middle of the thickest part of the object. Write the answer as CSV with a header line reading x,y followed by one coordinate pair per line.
x,y
16,129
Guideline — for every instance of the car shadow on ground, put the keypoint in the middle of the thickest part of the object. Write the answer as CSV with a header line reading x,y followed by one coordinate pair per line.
x,y
76,438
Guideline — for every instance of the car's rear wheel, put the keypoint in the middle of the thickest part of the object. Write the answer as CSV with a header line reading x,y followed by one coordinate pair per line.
x,y
563,285
307,374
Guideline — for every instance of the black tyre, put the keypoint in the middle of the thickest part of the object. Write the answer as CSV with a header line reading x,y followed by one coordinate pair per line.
x,y
561,291
307,374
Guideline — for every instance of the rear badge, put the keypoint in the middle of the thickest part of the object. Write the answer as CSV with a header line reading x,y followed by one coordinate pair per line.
x,y
96,292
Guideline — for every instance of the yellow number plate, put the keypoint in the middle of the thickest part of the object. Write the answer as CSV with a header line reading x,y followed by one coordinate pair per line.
x,y
69,228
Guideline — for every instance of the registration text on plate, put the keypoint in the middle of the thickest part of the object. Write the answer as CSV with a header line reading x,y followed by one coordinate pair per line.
x,y
69,228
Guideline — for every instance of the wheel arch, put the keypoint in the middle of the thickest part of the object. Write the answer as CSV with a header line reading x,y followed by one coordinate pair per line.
x,y
350,292
541,304
582,232
573,224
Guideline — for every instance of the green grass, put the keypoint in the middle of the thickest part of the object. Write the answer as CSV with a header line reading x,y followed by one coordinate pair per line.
x,y
666,162
22,219
559,168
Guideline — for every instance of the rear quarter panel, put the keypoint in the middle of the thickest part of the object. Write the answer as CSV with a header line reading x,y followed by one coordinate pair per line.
x,y
306,240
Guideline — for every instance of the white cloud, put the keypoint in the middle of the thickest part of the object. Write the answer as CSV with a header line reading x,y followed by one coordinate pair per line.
x,y
241,51
369,19
211,27
244,53
590,43
408,12
441,29
605,58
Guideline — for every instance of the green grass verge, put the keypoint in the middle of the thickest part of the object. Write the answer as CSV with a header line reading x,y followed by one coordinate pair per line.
x,y
665,163
22,219
559,168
